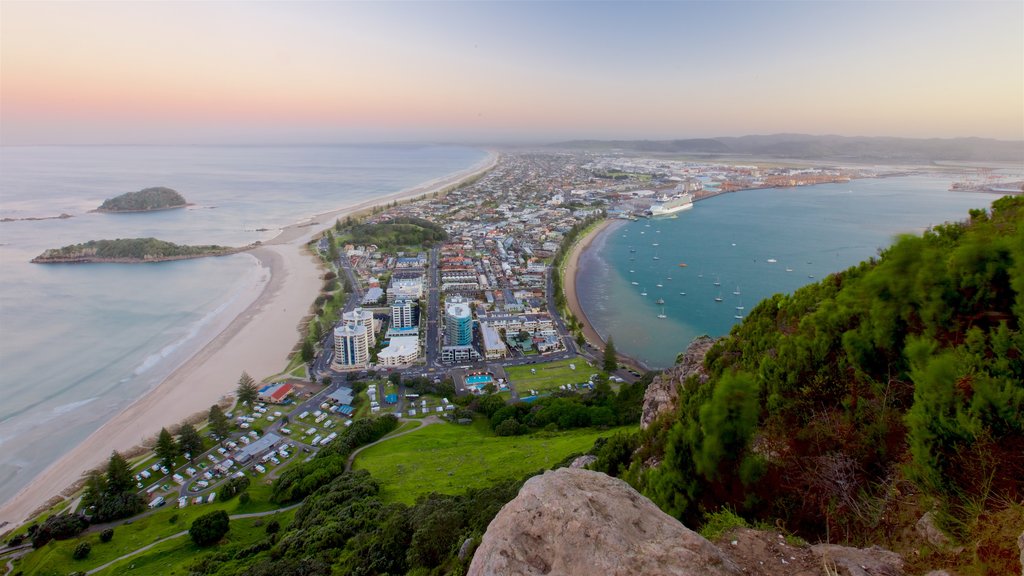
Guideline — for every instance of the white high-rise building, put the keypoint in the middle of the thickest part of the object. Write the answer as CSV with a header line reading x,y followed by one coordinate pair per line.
x,y
362,318
350,349
403,314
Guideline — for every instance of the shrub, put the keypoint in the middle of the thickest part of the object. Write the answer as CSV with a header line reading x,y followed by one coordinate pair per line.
x,y
209,528
107,535
273,527
244,498
81,551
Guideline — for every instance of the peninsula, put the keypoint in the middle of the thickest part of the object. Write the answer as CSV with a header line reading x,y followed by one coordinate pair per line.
x,y
145,200
130,250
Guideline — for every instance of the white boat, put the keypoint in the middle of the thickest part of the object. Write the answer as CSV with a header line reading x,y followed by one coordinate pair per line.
x,y
659,285
662,315
738,316
644,293
717,282
682,293
672,205
789,269
737,291
772,260
635,283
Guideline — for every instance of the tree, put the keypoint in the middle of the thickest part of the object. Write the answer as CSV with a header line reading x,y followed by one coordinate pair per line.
x,y
95,488
81,551
166,449
395,378
611,361
308,352
119,475
246,390
189,441
219,425
107,535
209,528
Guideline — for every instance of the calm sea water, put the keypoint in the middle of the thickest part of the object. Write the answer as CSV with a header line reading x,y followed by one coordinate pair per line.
x,y
812,231
78,343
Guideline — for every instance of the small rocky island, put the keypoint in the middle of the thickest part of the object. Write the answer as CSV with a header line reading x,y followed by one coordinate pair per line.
x,y
145,200
130,250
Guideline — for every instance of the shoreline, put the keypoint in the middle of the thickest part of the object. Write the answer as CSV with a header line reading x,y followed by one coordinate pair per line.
x,y
569,288
258,340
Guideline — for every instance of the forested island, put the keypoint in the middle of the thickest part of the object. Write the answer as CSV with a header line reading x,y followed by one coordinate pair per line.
x,y
130,250
145,200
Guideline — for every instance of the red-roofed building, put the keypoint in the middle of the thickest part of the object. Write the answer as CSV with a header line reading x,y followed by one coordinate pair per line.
x,y
275,393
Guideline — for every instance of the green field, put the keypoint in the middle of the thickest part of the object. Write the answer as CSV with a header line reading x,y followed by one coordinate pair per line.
x,y
549,376
449,458
54,559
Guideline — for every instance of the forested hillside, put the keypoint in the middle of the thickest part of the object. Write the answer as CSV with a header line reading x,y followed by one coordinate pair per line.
x,y
147,199
129,250
897,384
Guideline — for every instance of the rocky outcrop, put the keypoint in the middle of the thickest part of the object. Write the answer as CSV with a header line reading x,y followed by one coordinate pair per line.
x,y
873,561
583,461
579,522
928,529
663,393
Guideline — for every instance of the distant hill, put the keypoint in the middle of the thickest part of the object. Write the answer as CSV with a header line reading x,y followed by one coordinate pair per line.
x,y
805,146
145,200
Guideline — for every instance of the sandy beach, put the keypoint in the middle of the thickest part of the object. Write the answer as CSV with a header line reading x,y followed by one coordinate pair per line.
x,y
258,341
572,263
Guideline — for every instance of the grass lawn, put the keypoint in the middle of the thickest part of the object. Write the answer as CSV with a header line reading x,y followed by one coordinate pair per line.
x,y
549,376
55,559
175,556
449,458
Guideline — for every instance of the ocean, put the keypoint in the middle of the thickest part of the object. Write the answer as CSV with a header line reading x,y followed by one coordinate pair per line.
x,y
753,244
79,343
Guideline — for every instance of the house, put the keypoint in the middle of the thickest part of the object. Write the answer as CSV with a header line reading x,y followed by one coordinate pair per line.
x,y
275,393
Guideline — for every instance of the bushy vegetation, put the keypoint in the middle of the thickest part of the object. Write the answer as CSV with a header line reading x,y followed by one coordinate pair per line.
x,y
397,233
305,478
59,527
129,249
111,495
823,403
209,528
566,410
156,198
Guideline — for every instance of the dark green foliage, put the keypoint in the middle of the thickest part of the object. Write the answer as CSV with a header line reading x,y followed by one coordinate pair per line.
x,y
247,390
219,425
209,528
234,486
107,535
611,361
81,551
189,440
910,362
308,351
140,249
398,233
156,198
59,527
111,495
305,478
244,498
273,527
119,474
166,449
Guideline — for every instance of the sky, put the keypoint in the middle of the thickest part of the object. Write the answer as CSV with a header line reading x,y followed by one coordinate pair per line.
x,y
193,72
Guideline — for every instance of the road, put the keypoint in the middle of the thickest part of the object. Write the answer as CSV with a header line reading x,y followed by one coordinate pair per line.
x,y
432,341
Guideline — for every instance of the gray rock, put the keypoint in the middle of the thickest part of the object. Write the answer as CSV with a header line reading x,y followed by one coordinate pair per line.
x,y
583,461
663,393
1020,544
930,532
465,549
873,561
575,522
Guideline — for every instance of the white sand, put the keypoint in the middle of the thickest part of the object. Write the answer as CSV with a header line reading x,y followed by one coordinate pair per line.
x,y
258,341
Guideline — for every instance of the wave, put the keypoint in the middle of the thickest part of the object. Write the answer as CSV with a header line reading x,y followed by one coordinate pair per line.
x,y
71,407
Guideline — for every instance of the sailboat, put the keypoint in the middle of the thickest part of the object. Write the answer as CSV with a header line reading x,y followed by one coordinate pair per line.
x,y
717,282
682,293
659,285
719,297
737,291
662,315
659,301
643,292
739,311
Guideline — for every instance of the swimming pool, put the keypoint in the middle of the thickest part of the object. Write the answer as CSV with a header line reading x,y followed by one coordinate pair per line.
x,y
479,379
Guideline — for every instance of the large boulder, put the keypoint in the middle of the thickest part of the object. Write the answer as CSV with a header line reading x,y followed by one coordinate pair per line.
x,y
579,522
846,561
663,393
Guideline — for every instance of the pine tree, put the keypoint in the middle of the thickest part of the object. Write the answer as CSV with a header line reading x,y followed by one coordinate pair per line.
x,y
246,391
308,352
611,362
166,449
189,441
95,487
219,425
119,475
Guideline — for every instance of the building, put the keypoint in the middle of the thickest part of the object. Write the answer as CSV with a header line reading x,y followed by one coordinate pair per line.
x,y
373,296
403,314
493,346
400,351
350,347
262,445
459,354
363,318
275,393
458,322
405,288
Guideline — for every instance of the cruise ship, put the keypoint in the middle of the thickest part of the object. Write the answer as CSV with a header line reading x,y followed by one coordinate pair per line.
x,y
672,205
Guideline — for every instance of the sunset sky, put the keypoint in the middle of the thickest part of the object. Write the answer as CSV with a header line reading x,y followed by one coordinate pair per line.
x,y
264,72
